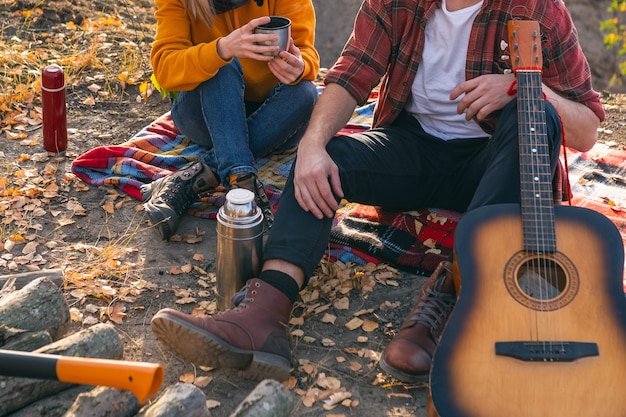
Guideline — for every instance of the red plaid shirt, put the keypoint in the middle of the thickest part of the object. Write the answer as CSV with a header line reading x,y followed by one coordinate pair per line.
x,y
388,41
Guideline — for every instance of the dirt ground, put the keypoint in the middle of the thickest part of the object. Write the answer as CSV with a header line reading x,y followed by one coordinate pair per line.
x,y
149,274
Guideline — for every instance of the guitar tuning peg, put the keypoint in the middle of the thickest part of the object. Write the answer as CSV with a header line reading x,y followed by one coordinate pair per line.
x,y
546,62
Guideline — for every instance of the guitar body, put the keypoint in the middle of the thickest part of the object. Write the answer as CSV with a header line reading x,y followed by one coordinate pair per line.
x,y
516,346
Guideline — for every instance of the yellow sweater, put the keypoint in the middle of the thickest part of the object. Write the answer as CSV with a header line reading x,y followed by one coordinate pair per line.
x,y
184,53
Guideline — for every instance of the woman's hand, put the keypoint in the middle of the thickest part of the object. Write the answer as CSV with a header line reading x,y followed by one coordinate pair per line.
x,y
244,43
288,65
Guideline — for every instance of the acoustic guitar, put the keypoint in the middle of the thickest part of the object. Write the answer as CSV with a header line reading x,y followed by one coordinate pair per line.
x,y
539,329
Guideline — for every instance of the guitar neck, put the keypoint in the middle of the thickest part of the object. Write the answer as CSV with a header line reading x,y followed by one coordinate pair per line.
x,y
537,203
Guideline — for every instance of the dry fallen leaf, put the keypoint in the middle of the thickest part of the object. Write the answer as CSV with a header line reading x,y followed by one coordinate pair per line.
x,y
116,313
328,382
328,342
369,325
337,398
187,300
202,381
354,324
342,303
211,404
296,321
187,378
329,318
310,397
355,366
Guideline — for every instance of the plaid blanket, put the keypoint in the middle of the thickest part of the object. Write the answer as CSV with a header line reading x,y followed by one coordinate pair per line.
x,y
412,241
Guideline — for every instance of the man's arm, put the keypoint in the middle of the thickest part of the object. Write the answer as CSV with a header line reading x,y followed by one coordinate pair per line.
x,y
333,110
316,177
579,122
485,94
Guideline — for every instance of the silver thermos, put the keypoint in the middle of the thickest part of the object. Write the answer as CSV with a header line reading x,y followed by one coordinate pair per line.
x,y
239,244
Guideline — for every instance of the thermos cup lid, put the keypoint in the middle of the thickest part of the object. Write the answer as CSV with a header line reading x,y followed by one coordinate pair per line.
x,y
240,196
52,78
240,207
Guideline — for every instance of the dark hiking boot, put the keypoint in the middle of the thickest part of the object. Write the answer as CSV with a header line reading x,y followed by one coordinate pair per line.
x,y
251,338
169,197
251,182
409,354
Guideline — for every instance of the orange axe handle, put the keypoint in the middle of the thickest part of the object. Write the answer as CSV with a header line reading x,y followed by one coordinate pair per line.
x,y
141,378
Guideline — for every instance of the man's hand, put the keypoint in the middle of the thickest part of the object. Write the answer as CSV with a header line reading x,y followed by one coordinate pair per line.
x,y
316,176
489,93
288,65
316,181
483,95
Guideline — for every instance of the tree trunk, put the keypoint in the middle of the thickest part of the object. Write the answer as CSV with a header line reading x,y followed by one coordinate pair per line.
x,y
40,305
22,279
99,341
23,340
55,405
104,402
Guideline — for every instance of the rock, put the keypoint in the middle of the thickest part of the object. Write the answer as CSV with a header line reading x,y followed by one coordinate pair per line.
x,y
269,399
178,400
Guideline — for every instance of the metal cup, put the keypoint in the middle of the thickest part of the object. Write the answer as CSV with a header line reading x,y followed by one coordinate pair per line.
x,y
280,26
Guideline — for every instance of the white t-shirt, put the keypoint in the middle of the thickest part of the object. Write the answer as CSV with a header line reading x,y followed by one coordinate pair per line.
x,y
441,70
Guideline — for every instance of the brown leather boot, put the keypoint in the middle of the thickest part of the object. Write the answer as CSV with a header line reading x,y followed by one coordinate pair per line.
x,y
409,354
168,198
252,337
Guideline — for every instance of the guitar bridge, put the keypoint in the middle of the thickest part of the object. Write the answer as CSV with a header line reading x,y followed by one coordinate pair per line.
x,y
547,351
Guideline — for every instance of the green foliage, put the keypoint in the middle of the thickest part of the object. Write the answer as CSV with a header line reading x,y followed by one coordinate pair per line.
x,y
614,30
164,93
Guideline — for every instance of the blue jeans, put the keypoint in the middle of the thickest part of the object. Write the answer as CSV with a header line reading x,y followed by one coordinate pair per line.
x,y
234,132
401,167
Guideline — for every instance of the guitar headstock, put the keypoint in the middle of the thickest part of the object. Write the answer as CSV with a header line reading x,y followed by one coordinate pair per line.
x,y
525,45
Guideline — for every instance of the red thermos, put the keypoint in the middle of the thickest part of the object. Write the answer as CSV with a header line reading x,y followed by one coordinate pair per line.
x,y
53,107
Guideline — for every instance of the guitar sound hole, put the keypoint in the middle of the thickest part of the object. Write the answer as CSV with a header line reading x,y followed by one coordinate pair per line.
x,y
541,279
542,282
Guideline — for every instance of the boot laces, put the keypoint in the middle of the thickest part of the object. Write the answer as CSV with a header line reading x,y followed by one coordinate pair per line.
x,y
434,307
178,194
240,296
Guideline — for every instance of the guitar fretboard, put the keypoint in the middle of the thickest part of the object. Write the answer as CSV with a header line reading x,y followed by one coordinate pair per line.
x,y
537,202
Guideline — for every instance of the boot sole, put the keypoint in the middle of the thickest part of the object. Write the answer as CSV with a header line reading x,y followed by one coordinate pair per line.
x,y
401,375
200,347
160,223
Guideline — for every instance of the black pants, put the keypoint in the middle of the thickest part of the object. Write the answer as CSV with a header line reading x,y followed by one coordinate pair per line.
x,y
401,167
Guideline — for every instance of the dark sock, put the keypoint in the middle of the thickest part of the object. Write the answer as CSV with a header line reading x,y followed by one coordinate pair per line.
x,y
282,282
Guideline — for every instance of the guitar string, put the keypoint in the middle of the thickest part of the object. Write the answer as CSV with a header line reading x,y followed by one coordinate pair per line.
x,y
534,231
552,268
547,275
533,317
